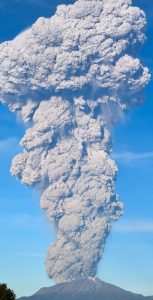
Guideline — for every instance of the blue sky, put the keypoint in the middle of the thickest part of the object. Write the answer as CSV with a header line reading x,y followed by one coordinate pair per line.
x,y
24,230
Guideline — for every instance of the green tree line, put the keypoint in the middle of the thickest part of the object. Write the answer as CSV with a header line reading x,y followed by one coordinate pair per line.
x,y
6,293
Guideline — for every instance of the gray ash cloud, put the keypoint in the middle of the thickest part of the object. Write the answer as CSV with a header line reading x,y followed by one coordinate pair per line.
x,y
70,78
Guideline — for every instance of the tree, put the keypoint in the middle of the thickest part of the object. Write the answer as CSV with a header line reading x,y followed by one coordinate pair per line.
x,y
6,293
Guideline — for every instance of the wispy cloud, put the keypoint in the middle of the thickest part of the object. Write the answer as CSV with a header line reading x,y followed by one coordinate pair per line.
x,y
23,221
9,145
131,158
29,254
145,289
134,226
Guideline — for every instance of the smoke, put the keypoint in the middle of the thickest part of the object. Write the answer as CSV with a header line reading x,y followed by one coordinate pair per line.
x,y
70,78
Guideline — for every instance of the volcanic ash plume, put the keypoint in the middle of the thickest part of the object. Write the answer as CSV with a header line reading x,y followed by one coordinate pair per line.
x,y
69,78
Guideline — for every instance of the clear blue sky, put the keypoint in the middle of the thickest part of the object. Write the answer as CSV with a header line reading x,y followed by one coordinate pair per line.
x,y
24,231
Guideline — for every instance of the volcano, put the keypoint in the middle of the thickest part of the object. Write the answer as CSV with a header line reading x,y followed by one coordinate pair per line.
x,y
85,289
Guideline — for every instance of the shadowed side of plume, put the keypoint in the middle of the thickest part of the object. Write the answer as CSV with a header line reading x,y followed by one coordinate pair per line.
x,y
89,288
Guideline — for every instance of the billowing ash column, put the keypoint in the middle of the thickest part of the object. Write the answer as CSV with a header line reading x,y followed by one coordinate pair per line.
x,y
70,77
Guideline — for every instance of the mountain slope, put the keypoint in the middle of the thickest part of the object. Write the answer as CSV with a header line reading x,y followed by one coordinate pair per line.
x,y
85,289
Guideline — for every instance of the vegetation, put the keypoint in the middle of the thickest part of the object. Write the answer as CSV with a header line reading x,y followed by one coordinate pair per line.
x,y
6,293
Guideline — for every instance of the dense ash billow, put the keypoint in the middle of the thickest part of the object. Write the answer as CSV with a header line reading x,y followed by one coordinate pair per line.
x,y
69,78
